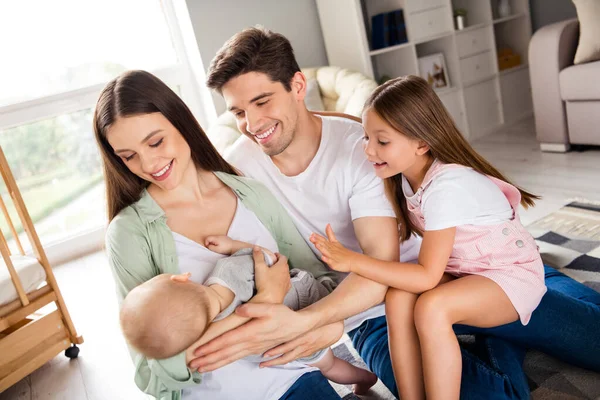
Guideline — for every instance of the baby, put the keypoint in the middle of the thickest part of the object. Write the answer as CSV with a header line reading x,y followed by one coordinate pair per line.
x,y
168,313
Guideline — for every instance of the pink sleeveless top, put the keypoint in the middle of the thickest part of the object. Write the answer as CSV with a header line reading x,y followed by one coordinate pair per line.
x,y
505,253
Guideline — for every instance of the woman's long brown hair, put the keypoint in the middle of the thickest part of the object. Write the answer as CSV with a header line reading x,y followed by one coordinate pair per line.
x,y
135,93
411,107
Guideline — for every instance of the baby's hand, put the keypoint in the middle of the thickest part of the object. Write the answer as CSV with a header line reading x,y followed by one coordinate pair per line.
x,y
219,244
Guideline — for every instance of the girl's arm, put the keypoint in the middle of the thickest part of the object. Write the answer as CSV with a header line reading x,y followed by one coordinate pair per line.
x,y
415,278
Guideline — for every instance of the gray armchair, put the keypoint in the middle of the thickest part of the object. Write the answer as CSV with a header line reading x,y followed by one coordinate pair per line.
x,y
566,97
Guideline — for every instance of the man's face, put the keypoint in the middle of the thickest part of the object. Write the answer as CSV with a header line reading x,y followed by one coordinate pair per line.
x,y
265,111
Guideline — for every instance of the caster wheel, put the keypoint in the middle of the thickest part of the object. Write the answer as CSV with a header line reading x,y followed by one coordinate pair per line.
x,y
72,352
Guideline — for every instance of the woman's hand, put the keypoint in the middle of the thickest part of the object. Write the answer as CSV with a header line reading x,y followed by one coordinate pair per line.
x,y
271,325
272,283
333,253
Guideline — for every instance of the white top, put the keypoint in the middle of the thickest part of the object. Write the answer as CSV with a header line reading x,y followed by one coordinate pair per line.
x,y
337,187
460,196
241,379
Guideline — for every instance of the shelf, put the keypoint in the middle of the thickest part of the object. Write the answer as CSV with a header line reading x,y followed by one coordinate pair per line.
x,y
443,91
478,99
422,10
408,44
510,18
435,37
480,80
388,49
513,69
475,54
473,27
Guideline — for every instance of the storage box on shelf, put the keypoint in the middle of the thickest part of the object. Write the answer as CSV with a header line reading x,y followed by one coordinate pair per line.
x,y
481,97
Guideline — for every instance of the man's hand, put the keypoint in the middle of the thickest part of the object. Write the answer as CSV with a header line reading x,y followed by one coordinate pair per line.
x,y
272,325
305,345
333,252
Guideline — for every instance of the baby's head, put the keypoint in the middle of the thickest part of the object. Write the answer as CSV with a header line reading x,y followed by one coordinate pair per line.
x,y
161,317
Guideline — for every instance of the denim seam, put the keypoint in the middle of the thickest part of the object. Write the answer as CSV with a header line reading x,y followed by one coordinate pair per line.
x,y
493,359
483,366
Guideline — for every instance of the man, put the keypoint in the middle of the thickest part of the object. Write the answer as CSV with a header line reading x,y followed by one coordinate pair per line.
x,y
317,168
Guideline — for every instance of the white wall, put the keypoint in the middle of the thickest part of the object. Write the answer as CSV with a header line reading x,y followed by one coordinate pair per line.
x,y
216,21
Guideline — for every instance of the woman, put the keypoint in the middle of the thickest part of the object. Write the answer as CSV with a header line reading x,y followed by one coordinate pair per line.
x,y
167,190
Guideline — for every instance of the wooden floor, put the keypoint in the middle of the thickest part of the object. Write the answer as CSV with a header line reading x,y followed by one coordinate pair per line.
x,y
104,370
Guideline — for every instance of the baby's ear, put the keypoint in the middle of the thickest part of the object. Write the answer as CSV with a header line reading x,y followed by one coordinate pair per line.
x,y
181,277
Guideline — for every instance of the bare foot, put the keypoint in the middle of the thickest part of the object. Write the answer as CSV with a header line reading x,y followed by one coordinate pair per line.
x,y
365,383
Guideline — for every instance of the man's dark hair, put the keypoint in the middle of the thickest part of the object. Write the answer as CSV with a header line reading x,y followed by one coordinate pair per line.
x,y
254,50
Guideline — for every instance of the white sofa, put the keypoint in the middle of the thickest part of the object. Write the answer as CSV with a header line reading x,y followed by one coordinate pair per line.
x,y
340,90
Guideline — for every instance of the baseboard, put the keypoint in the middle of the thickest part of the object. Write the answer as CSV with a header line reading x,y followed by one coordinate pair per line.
x,y
555,147
75,247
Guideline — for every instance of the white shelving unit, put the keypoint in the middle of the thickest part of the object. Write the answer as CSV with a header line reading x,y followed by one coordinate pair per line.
x,y
480,98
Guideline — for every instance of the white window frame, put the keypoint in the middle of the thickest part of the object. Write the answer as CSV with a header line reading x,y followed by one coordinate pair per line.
x,y
187,73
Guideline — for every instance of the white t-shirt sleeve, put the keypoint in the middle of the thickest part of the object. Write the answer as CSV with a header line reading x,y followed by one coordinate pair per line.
x,y
463,197
367,197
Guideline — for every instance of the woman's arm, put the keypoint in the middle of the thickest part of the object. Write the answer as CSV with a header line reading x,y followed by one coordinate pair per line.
x,y
416,278
131,263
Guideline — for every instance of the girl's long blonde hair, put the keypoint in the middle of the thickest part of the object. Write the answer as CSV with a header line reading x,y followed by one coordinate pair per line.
x,y
410,106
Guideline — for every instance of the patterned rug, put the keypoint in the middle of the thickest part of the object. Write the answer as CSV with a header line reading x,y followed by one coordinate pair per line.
x,y
569,240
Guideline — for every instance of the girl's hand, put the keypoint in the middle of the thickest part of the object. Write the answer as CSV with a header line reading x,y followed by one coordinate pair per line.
x,y
272,283
219,244
333,253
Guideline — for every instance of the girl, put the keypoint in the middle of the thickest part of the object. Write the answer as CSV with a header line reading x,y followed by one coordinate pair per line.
x,y
466,212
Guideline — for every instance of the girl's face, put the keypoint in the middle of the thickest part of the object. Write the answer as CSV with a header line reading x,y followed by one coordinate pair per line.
x,y
152,148
390,151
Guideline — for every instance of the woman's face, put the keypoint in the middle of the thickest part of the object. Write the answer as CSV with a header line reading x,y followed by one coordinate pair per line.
x,y
152,148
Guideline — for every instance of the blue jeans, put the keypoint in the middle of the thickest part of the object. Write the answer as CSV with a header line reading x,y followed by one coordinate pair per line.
x,y
565,325
313,386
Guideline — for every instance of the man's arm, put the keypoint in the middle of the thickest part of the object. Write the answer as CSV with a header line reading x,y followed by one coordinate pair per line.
x,y
216,329
378,238
311,328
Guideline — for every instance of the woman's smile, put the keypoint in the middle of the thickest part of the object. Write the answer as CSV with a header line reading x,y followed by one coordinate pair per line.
x,y
164,172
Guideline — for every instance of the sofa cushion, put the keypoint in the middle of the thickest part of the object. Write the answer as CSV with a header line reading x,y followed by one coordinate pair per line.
x,y
223,133
580,82
588,13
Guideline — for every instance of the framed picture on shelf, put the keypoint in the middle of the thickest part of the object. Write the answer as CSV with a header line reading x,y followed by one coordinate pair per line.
x,y
432,68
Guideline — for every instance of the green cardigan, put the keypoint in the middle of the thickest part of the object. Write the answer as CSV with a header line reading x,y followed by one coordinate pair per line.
x,y
140,245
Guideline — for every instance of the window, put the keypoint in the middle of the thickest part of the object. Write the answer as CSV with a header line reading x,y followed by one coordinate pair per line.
x,y
59,56
58,170
62,45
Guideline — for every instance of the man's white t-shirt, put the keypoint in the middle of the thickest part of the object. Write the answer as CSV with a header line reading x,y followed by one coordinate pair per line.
x,y
337,187
460,196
